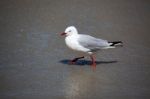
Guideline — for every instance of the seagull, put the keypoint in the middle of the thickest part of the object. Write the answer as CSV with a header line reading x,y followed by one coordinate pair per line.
x,y
86,44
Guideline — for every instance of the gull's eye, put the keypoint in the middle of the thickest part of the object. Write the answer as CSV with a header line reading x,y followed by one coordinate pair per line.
x,y
69,31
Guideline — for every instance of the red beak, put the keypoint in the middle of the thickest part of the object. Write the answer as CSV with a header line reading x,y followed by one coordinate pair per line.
x,y
62,34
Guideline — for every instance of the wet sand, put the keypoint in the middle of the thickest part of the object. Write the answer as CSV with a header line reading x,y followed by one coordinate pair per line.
x,y
33,56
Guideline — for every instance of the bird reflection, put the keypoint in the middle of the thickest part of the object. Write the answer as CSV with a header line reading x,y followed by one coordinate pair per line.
x,y
79,83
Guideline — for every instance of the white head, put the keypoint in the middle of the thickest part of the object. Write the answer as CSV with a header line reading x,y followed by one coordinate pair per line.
x,y
71,30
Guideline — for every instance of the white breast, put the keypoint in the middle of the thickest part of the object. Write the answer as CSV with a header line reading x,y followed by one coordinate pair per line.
x,y
72,43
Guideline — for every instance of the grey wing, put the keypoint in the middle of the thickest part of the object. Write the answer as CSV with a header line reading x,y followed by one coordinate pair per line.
x,y
92,43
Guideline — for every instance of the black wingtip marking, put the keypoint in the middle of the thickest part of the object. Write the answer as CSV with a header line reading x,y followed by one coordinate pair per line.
x,y
115,43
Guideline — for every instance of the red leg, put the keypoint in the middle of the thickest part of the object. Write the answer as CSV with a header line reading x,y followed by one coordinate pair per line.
x,y
75,59
93,62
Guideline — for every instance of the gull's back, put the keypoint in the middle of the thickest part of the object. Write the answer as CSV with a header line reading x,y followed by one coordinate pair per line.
x,y
92,43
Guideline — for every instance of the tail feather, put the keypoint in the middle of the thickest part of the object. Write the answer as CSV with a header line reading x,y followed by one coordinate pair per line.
x,y
116,43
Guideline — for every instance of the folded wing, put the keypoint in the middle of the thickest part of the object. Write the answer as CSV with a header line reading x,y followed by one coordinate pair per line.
x,y
92,43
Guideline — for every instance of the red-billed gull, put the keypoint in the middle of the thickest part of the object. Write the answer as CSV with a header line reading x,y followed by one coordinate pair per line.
x,y
86,44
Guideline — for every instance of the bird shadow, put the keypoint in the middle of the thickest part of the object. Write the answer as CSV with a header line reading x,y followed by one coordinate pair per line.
x,y
85,62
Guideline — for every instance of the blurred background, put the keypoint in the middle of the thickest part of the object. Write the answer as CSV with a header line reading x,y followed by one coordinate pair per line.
x,y
33,55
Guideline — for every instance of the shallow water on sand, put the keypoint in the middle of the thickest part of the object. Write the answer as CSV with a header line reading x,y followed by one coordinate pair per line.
x,y
34,58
